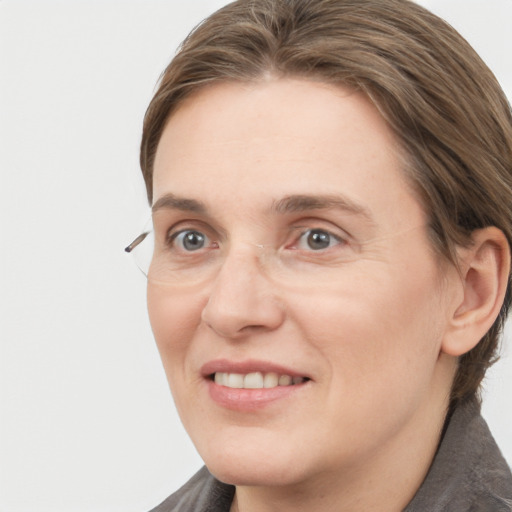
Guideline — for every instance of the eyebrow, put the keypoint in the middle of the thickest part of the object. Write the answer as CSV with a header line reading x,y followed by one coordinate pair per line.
x,y
289,204
173,202
303,203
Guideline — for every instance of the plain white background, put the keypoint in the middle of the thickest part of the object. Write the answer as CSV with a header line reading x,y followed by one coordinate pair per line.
x,y
86,420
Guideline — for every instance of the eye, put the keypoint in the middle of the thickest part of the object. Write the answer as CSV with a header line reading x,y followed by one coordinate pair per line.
x,y
190,240
317,240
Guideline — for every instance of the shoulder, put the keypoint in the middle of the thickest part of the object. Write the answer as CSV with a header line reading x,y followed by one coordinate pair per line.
x,y
469,473
202,493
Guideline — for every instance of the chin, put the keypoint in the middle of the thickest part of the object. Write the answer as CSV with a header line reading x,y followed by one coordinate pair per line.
x,y
254,474
256,466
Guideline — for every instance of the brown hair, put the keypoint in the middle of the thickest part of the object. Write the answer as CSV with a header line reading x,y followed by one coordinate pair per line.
x,y
443,103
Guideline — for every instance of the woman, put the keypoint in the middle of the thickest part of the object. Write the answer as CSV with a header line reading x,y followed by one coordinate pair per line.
x,y
331,190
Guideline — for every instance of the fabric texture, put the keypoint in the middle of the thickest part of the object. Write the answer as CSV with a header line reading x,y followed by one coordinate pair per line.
x,y
468,474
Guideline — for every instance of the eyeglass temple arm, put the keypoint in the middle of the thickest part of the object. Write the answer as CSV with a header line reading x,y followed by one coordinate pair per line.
x,y
136,242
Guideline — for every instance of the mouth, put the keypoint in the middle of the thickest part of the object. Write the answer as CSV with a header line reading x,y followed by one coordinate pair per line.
x,y
251,385
255,380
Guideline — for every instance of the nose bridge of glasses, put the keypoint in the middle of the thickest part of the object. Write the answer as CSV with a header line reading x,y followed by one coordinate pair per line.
x,y
245,260
243,283
247,251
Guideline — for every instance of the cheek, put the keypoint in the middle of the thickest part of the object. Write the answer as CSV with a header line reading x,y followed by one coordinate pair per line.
x,y
392,328
174,317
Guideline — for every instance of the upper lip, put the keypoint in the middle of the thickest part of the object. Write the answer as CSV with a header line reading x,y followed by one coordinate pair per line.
x,y
247,366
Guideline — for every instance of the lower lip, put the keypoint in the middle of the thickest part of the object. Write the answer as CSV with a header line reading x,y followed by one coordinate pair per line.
x,y
250,399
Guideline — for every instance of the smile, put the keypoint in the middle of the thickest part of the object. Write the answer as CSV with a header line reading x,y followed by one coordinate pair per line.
x,y
250,385
255,380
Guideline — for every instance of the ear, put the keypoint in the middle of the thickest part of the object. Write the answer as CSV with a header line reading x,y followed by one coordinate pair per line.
x,y
484,270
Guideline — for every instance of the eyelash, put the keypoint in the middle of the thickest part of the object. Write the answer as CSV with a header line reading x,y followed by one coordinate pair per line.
x,y
323,236
172,239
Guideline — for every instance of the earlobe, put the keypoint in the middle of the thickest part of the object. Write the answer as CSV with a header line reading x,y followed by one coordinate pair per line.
x,y
485,267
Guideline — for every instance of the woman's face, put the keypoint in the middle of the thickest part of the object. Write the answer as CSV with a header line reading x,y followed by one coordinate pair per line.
x,y
291,253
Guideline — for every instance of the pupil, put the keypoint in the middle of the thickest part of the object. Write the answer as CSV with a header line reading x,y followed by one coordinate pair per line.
x,y
319,240
193,241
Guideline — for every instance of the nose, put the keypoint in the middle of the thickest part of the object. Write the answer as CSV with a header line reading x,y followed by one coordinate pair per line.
x,y
242,300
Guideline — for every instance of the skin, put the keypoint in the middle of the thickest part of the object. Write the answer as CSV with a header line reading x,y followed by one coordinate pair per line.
x,y
366,319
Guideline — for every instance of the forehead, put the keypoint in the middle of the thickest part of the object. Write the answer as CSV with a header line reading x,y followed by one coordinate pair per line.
x,y
267,140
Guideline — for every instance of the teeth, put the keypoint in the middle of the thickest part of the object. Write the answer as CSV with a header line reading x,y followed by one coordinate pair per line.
x,y
285,380
271,380
255,380
235,380
221,378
